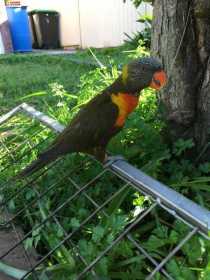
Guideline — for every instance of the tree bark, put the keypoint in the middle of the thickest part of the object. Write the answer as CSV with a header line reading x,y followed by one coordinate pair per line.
x,y
182,28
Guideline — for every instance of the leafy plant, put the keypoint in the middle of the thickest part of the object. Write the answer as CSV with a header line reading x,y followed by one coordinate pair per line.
x,y
137,3
143,37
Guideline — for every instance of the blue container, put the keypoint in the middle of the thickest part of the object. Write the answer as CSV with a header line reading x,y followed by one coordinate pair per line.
x,y
20,30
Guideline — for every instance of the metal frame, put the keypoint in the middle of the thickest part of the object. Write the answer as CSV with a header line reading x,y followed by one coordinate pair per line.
x,y
195,216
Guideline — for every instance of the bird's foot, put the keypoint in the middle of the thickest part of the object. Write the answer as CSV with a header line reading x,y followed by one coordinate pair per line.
x,y
111,159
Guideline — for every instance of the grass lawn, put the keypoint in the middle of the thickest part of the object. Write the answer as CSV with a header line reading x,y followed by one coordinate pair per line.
x,y
22,75
59,86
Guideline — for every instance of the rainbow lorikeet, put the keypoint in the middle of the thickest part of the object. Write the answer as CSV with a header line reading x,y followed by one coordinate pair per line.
x,y
103,116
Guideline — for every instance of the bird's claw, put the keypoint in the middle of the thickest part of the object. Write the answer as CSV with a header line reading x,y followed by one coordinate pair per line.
x,y
111,159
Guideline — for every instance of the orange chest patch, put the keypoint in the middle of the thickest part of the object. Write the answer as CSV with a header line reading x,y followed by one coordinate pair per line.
x,y
126,103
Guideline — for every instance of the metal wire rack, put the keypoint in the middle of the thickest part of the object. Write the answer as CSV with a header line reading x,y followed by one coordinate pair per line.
x,y
23,132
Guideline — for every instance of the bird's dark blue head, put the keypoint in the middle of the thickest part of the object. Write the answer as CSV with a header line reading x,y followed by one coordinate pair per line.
x,y
141,73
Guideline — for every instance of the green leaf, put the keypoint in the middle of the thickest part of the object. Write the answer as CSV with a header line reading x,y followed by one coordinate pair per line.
x,y
74,223
11,205
179,271
116,203
193,250
102,267
129,261
123,249
182,145
28,243
98,233
204,167
35,94
173,237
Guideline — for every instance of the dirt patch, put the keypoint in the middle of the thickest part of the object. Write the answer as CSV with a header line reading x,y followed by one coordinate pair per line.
x,y
17,258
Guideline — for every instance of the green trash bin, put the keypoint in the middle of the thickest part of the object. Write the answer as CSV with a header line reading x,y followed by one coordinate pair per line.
x,y
45,26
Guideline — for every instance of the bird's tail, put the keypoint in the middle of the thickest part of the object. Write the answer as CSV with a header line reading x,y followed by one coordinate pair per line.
x,y
42,160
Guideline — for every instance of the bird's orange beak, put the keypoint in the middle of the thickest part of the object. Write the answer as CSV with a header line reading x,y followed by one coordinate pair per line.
x,y
159,79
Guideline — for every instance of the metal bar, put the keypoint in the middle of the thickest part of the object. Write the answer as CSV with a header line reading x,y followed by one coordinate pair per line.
x,y
197,215
178,217
34,201
172,253
10,114
54,212
7,150
69,242
72,246
95,204
76,230
128,235
23,132
16,149
15,160
50,122
11,180
76,250
144,252
120,237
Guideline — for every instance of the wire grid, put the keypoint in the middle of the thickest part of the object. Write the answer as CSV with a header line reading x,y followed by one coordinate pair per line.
x,y
21,138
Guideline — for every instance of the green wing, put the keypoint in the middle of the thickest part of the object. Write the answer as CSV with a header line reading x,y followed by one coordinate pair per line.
x,y
93,126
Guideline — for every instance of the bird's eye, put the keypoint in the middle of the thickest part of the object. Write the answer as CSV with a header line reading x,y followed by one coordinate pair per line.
x,y
159,79
157,82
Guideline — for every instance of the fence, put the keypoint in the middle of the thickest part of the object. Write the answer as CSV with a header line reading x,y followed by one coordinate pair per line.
x,y
15,128
95,23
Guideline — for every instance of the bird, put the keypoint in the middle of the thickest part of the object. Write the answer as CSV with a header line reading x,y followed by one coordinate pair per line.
x,y
103,116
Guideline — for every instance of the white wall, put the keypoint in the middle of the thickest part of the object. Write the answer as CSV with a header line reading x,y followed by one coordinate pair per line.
x,y
104,22
3,13
93,23
1,45
3,18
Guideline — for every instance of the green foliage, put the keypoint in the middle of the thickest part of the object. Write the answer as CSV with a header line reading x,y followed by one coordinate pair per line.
x,y
60,87
182,145
143,37
137,3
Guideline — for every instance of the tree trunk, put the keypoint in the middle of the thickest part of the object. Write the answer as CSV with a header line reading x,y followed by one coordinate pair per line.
x,y
183,28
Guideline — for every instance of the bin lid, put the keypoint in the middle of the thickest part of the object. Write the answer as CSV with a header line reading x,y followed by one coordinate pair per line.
x,y
16,6
43,11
